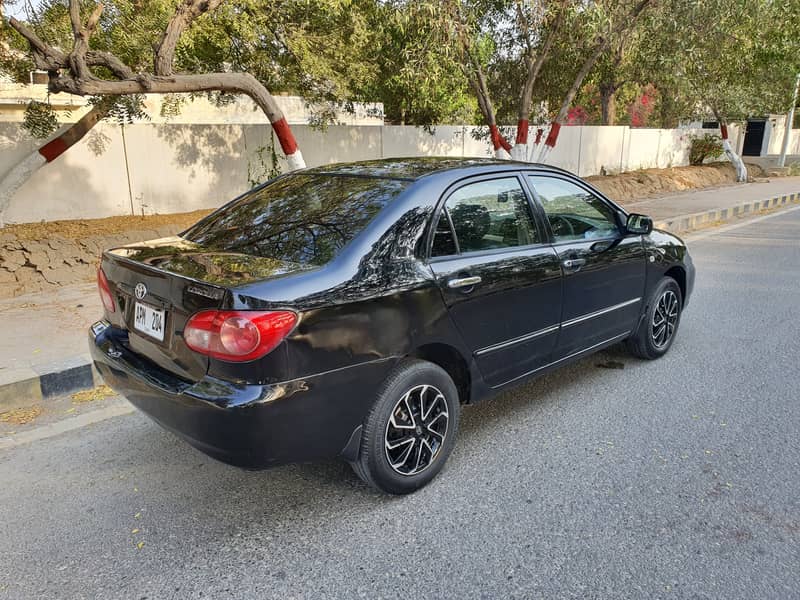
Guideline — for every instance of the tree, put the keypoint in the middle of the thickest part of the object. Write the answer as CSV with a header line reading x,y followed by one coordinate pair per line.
x,y
517,38
729,59
318,49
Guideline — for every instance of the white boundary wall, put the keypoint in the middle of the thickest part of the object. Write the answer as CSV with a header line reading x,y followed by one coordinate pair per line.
x,y
180,167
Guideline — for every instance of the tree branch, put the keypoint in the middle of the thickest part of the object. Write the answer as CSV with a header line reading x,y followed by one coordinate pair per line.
x,y
45,57
184,15
77,58
99,58
242,83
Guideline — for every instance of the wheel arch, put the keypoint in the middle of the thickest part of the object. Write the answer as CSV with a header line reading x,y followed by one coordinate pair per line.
x,y
452,361
678,273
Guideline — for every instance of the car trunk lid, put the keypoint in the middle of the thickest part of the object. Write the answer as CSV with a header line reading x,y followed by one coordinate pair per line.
x,y
158,285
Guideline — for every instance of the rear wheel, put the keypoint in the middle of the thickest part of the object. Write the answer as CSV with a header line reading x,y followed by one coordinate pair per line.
x,y
657,331
411,429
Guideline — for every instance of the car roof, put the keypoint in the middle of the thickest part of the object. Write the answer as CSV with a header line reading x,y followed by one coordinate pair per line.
x,y
414,168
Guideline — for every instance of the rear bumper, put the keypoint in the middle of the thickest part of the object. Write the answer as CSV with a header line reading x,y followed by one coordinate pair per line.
x,y
250,426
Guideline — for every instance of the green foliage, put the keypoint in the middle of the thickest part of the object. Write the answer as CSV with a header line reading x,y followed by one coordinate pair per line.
x,y
266,166
705,146
40,119
124,110
733,57
417,69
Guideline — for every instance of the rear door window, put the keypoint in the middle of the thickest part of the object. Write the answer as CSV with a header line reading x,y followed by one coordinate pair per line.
x,y
305,218
485,215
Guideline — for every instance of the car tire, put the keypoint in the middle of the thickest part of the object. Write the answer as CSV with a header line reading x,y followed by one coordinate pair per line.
x,y
657,330
410,430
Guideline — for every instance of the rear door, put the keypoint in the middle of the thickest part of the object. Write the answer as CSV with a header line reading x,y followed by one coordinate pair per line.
x,y
499,278
604,270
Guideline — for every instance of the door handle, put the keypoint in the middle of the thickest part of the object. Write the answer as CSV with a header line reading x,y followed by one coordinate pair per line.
x,y
573,264
463,282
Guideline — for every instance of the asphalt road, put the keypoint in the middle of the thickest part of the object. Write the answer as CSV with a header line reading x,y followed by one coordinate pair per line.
x,y
612,478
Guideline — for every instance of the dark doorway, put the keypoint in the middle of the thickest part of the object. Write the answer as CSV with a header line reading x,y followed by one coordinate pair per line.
x,y
754,137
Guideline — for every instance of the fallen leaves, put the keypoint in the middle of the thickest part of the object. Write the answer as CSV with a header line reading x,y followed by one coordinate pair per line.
x,y
21,416
98,393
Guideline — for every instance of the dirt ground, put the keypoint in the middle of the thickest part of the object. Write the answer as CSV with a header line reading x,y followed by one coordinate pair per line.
x,y
646,183
76,230
41,256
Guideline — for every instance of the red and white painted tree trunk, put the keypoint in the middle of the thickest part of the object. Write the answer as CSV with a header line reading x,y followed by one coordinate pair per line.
x,y
24,170
520,149
283,132
502,149
549,142
736,160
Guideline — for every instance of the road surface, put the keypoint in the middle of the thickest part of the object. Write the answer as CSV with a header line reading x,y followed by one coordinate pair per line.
x,y
612,478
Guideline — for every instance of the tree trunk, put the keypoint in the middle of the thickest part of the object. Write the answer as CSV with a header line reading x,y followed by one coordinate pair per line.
x,y
520,149
608,103
555,127
736,160
24,169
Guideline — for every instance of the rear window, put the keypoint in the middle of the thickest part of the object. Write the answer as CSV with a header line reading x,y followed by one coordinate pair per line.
x,y
303,218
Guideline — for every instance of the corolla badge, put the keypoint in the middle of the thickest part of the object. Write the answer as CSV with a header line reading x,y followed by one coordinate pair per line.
x,y
140,290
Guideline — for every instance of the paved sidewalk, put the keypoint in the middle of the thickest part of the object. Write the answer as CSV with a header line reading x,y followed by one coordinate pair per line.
x,y
729,196
44,352
43,349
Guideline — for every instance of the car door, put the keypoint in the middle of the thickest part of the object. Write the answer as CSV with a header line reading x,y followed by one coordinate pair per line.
x,y
498,276
604,270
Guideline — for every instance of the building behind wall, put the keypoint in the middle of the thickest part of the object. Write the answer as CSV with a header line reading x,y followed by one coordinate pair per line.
x,y
200,110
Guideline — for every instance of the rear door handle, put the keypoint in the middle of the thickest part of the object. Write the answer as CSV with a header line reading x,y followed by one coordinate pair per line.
x,y
573,264
463,282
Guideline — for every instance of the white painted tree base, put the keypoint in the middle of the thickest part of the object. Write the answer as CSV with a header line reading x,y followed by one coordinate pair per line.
x,y
542,158
501,154
16,177
519,152
736,161
295,161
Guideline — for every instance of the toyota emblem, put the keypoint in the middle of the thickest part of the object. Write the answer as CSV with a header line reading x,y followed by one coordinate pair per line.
x,y
140,290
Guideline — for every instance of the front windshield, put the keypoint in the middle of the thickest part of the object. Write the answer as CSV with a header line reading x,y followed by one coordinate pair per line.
x,y
304,218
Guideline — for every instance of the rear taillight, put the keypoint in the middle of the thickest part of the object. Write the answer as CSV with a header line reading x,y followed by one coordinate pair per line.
x,y
237,335
105,291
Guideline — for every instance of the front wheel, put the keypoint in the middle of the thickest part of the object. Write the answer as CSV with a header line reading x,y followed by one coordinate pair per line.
x,y
657,331
411,429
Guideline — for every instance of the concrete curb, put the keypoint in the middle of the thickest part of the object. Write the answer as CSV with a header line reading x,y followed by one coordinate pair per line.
x,y
24,387
28,386
684,223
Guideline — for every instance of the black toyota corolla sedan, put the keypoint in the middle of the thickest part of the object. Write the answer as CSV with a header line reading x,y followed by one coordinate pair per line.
x,y
350,310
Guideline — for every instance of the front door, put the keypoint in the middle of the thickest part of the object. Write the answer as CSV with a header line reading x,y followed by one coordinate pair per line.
x,y
604,271
498,277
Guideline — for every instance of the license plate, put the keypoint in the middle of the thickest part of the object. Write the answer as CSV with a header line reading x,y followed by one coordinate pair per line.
x,y
149,320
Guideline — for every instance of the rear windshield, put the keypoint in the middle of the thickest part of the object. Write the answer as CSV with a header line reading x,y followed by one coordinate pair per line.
x,y
303,218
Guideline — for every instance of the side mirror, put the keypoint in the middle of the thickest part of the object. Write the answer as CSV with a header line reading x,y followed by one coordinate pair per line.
x,y
639,224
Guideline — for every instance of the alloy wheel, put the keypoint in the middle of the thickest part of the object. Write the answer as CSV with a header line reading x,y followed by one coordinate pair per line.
x,y
665,319
416,430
